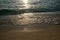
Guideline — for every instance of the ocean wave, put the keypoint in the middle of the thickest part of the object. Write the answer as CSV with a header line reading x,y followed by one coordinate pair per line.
x,y
28,20
14,12
31,6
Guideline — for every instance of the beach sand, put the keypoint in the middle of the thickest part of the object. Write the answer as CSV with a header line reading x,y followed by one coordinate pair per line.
x,y
52,32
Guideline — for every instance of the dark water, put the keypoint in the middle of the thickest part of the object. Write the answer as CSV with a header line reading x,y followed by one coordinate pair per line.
x,y
40,5
9,7
19,14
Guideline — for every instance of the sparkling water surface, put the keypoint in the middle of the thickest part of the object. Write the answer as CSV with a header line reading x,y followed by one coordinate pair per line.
x,y
31,21
30,4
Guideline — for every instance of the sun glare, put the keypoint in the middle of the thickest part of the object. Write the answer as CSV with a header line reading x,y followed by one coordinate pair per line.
x,y
26,4
25,1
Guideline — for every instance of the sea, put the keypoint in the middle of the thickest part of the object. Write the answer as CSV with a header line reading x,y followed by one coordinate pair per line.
x,y
28,14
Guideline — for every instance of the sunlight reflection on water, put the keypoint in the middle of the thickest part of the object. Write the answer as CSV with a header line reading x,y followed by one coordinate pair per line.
x,y
28,21
24,19
31,18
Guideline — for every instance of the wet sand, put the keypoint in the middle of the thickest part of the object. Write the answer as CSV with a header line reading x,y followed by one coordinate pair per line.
x,y
52,32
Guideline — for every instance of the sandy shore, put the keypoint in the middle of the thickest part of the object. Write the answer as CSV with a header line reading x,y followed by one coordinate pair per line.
x,y
49,33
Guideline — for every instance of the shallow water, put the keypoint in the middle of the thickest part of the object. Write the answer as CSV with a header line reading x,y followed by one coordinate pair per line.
x,y
29,21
